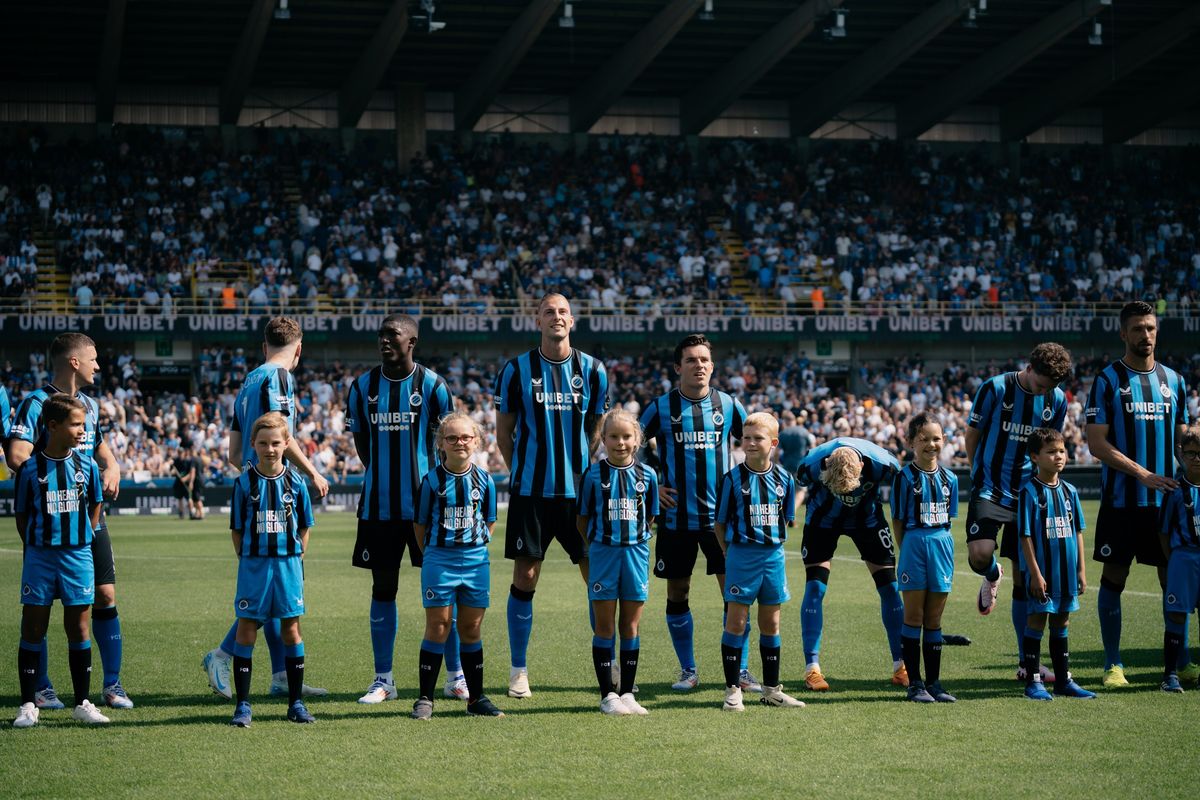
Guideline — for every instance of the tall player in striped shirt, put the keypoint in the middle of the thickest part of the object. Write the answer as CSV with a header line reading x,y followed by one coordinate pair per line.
x,y
1006,410
73,359
618,500
1180,530
845,475
268,387
58,497
755,507
1050,521
693,428
393,411
924,501
547,401
1136,412
270,516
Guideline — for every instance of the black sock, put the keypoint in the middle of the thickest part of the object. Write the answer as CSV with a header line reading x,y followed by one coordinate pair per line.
x,y
472,667
731,660
27,672
1033,659
770,664
933,655
602,661
431,666
294,665
242,667
1172,643
629,665
80,662
1060,657
910,647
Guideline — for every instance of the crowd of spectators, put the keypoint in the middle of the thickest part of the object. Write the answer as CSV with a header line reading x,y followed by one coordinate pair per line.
x,y
628,224
815,402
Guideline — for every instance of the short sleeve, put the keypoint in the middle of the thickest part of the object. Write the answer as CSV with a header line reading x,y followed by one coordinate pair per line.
x,y
900,498
598,400
355,418
237,506
507,394
1026,513
1181,407
305,515
739,418
587,491
789,498
443,401
1166,513
95,487
25,426
651,493
490,501
24,499
1098,402
952,507
725,499
650,420
1059,418
1077,511
810,470
424,510
981,409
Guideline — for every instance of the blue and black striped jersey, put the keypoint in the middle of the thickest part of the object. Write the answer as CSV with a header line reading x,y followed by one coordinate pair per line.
x,y
619,502
268,387
1052,517
400,418
27,426
756,507
456,509
694,439
269,513
923,499
1005,414
860,509
1179,518
552,400
1141,410
56,495
5,413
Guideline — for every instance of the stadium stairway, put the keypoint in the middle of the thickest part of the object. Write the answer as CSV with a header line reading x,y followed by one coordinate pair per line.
x,y
741,284
291,201
53,285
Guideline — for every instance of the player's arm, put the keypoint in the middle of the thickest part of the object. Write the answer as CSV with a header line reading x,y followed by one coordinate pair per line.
x,y
234,456
303,542
190,480
362,445
419,533
506,425
295,454
22,520
719,531
1037,584
19,452
110,470
972,438
581,524
1106,451
1082,570
237,542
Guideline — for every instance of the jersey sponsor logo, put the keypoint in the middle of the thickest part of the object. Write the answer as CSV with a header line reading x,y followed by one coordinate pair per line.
x,y
698,440
1148,410
1017,430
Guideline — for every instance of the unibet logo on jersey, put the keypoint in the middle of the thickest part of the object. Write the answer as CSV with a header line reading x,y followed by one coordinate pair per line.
x,y
394,420
1148,411
699,440
555,401
1017,431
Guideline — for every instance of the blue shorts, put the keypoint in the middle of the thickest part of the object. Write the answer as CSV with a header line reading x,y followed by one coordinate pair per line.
x,y
755,572
1183,580
926,560
452,575
269,588
1053,605
62,573
618,572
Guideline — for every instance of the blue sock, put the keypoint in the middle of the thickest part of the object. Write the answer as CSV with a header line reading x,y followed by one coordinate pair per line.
x,y
765,640
745,648
227,644
471,647
274,645
1019,614
631,644
910,631
520,625
891,608
1032,634
437,648
730,639
452,659
812,619
592,622
682,632
1185,657
243,650
1108,606
383,634
106,632
294,650
43,681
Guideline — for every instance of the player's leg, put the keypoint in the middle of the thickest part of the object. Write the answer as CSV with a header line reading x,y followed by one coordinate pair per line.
x,y
437,628
35,619
877,552
632,592
1113,549
910,634
602,640
736,615
384,623
1179,598
630,645
106,623
77,624
716,566
473,600
675,559
931,645
1060,652
984,521
293,647
817,548
524,538
1035,626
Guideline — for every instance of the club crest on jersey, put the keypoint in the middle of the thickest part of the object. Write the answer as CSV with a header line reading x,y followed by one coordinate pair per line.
x,y
1047,413
577,382
476,494
718,418
80,477
640,486
945,491
414,400
1166,390
780,491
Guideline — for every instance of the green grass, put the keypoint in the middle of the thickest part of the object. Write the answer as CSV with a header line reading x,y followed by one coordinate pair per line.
x,y
176,583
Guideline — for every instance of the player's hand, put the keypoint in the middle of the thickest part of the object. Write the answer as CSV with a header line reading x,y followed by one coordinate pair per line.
x,y
320,485
1082,582
1158,483
1037,588
110,483
667,497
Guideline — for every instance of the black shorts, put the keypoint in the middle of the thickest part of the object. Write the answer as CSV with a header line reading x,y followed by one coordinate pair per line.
x,y
535,522
182,493
102,556
675,553
985,520
1123,534
874,544
380,544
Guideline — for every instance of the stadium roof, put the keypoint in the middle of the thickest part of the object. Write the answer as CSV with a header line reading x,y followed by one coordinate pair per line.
x,y
1030,58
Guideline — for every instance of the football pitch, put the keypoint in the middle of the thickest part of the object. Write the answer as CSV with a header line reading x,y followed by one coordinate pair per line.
x,y
175,590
